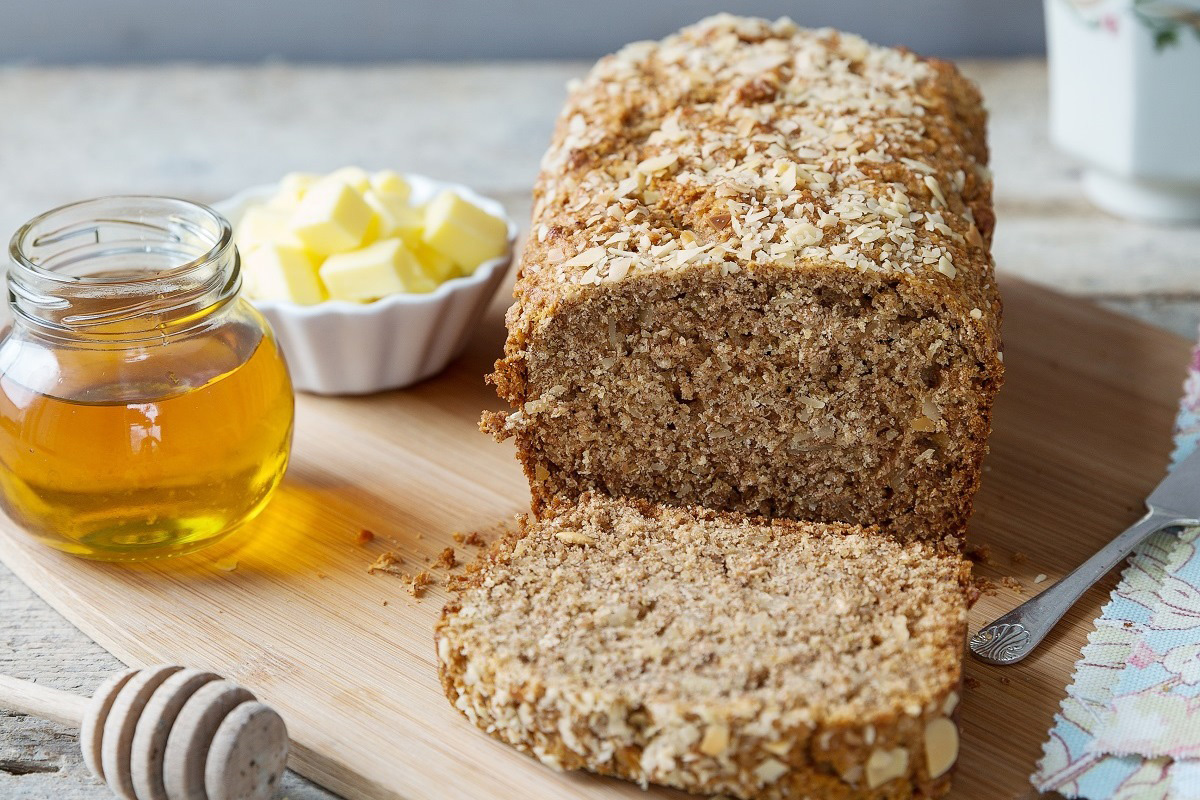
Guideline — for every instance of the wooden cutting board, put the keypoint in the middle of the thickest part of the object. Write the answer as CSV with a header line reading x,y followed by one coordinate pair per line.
x,y
1081,435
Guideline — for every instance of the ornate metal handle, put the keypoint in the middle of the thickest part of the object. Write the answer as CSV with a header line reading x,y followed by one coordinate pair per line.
x,y
1013,636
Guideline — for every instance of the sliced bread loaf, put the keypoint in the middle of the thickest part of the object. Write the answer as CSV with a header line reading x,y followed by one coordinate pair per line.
x,y
759,280
713,653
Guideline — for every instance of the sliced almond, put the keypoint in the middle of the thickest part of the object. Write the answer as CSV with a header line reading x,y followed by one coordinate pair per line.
x,y
586,258
941,746
659,162
770,770
946,266
780,748
715,741
574,537
935,189
885,765
628,186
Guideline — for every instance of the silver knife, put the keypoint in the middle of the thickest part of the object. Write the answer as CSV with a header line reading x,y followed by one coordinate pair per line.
x,y
1174,503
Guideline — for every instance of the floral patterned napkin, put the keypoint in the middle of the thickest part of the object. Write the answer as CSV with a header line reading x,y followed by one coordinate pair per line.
x,y
1129,727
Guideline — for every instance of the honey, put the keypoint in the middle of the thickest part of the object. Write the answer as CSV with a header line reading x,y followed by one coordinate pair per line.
x,y
154,461
144,411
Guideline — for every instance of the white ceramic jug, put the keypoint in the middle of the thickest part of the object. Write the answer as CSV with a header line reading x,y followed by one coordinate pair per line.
x,y
1125,98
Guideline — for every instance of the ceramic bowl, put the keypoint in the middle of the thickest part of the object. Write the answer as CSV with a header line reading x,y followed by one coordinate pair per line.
x,y
338,347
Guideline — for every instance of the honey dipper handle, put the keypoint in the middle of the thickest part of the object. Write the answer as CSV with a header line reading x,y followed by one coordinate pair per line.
x,y
26,697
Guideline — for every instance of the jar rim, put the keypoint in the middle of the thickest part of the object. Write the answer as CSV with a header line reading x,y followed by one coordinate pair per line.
x,y
222,243
100,268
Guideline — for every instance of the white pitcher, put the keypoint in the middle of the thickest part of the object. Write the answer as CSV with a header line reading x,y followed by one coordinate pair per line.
x,y
1125,98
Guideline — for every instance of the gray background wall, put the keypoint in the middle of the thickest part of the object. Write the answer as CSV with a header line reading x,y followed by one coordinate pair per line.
x,y
130,31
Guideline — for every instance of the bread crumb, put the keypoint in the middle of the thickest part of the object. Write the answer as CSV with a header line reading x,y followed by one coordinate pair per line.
x,y
986,587
365,536
1041,576
971,682
1009,582
1005,680
446,560
227,564
385,602
389,562
418,582
473,538
1019,558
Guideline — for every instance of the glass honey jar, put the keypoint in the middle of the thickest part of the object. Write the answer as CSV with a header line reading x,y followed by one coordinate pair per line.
x,y
145,410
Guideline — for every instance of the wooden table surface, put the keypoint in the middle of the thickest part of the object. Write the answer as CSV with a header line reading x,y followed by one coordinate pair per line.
x,y
204,133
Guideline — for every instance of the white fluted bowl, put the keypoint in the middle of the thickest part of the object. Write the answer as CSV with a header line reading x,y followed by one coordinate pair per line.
x,y
338,347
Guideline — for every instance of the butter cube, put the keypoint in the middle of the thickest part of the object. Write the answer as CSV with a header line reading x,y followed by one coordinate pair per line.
x,y
463,232
332,217
438,267
262,225
277,272
291,191
374,271
394,217
390,182
384,223
410,223
355,177
298,181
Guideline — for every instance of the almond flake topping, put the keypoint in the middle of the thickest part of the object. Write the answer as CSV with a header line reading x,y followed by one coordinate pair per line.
x,y
658,163
574,537
946,267
935,189
585,259
920,166
799,145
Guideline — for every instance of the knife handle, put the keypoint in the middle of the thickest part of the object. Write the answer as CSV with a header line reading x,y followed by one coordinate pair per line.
x,y
1013,636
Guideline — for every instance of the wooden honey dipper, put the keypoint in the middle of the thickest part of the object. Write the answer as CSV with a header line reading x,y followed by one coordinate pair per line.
x,y
167,733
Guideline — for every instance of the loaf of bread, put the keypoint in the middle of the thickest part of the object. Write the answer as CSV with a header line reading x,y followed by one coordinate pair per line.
x,y
759,279
714,653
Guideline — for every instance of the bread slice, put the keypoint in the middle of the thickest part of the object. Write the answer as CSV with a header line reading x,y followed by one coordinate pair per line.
x,y
759,279
715,654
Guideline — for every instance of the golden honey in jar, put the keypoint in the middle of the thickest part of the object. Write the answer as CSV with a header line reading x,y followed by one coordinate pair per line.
x,y
145,410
